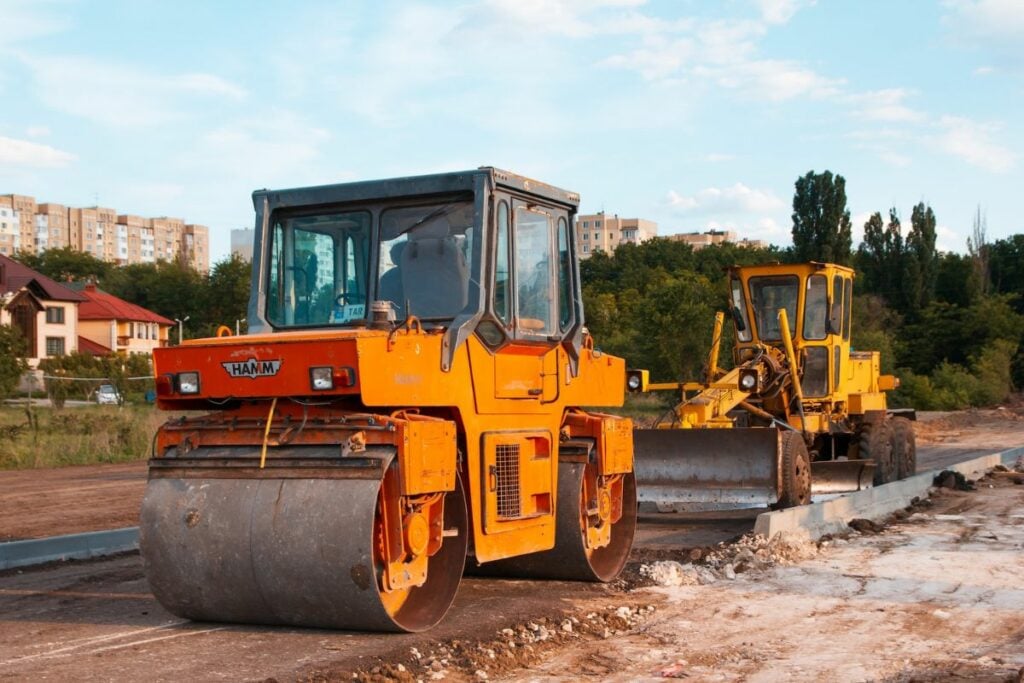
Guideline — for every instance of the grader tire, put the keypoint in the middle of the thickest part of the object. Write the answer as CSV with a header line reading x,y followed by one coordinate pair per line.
x,y
796,472
875,443
904,447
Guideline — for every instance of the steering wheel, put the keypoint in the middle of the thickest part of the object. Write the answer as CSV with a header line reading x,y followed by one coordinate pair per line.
x,y
346,298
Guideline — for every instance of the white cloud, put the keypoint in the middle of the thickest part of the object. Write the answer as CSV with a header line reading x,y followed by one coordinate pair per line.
x,y
24,20
999,19
972,142
37,131
778,11
114,94
774,80
31,154
984,71
736,199
885,105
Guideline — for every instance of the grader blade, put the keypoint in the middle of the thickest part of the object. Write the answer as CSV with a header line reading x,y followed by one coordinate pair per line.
x,y
841,476
680,470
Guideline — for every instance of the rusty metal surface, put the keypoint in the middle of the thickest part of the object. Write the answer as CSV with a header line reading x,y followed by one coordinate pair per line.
x,y
841,476
680,470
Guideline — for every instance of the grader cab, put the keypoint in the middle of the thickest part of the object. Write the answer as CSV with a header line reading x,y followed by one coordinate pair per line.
x,y
408,400
800,413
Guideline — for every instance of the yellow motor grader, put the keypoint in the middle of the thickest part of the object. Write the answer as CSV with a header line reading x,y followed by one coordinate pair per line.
x,y
799,414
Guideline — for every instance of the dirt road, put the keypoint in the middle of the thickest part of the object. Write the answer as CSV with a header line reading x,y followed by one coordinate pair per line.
x,y
97,621
48,502
935,597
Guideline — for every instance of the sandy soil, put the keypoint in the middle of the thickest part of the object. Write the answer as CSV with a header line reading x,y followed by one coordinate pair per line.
x,y
67,500
937,596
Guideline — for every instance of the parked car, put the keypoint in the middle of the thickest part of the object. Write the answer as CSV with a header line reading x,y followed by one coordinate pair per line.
x,y
108,395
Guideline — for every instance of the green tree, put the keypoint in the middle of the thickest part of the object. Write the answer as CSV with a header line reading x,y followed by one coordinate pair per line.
x,y
821,221
12,359
171,289
66,263
227,292
921,244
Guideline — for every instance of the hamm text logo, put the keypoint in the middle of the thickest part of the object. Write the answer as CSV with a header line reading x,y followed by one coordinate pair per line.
x,y
253,368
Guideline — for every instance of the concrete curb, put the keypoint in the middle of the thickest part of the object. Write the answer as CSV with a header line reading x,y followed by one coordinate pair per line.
x,y
831,516
70,547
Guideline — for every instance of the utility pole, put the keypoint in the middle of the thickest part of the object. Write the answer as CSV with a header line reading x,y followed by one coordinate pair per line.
x,y
181,324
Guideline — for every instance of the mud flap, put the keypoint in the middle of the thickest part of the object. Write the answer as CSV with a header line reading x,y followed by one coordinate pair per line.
x,y
680,470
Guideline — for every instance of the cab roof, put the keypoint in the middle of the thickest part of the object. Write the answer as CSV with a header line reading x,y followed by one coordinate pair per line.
x,y
411,186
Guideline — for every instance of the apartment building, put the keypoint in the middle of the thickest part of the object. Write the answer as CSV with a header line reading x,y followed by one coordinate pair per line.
x,y
600,232
699,240
101,232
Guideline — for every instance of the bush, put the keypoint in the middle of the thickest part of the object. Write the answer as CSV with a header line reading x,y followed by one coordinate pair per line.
x,y
12,359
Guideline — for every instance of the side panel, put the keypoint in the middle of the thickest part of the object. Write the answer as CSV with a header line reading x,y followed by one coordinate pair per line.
x,y
517,476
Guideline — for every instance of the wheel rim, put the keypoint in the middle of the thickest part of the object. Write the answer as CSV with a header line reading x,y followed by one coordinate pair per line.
x,y
420,607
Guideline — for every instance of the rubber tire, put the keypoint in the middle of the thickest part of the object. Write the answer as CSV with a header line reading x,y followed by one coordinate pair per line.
x,y
874,442
796,472
904,447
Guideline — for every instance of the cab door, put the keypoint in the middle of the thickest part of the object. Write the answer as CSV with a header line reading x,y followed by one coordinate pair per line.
x,y
532,275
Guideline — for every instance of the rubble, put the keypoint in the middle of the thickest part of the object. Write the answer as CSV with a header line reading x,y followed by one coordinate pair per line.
x,y
725,562
510,649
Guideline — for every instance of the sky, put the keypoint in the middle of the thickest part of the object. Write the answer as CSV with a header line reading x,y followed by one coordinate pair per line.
x,y
696,115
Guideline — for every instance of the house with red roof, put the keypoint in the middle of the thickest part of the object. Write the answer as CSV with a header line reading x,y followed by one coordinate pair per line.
x,y
43,310
108,324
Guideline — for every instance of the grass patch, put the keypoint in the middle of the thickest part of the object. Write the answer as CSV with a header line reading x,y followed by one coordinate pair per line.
x,y
643,409
86,435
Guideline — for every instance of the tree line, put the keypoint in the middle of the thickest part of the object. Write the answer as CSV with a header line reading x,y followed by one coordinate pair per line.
x,y
171,289
949,325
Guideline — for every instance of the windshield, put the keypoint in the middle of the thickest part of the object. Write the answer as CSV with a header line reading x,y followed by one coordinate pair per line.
x,y
319,269
424,259
767,296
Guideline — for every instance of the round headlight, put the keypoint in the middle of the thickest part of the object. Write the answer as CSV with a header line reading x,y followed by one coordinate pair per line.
x,y
633,382
748,382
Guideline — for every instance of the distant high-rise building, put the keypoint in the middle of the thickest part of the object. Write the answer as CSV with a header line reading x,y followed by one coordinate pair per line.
x,y
600,232
699,240
241,243
101,232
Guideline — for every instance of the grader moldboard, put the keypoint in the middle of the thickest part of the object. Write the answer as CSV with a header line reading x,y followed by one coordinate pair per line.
x,y
799,414
406,403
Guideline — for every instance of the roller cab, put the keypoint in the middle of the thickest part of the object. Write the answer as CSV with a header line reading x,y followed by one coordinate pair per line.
x,y
406,404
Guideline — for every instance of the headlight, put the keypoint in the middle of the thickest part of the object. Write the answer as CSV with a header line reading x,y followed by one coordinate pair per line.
x,y
188,382
321,379
748,381
637,380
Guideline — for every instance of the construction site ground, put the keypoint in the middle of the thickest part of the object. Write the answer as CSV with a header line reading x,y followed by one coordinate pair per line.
x,y
936,594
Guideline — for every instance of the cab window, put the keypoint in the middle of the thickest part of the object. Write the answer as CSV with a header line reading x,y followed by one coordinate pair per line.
x,y
534,273
739,310
768,294
425,258
564,277
318,269
502,271
816,308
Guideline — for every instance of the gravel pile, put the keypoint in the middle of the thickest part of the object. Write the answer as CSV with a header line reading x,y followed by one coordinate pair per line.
x,y
750,553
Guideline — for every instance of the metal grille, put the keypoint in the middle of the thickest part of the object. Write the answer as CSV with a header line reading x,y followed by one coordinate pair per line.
x,y
507,476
